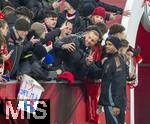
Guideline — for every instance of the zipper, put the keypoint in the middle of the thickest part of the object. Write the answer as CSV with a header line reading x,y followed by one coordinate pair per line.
x,y
15,59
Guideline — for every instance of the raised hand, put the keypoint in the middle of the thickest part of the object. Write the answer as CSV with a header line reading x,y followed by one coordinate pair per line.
x,y
56,4
116,111
69,46
90,59
126,13
33,40
6,57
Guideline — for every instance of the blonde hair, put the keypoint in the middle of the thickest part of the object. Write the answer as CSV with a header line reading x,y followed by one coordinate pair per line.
x,y
38,27
2,38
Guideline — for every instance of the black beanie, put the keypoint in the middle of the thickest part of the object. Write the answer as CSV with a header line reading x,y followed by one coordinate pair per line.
x,y
115,41
39,51
22,25
73,3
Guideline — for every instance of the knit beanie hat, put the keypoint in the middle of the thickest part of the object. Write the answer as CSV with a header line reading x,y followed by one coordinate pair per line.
x,y
73,3
22,25
115,41
39,51
99,11
38,27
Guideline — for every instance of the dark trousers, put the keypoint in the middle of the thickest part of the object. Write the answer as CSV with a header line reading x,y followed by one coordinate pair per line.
x,y
111,119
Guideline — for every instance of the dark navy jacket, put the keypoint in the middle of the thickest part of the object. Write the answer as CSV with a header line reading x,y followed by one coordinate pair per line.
x,y
113,86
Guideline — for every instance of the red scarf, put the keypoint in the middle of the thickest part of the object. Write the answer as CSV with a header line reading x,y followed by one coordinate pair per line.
x,y
97,49
7,63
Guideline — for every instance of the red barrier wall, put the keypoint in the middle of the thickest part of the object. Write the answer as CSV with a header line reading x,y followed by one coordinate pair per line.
x,y
67,103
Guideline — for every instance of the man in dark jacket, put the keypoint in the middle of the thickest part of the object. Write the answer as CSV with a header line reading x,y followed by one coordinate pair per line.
x,y
72,15
113,86
17,42
74,51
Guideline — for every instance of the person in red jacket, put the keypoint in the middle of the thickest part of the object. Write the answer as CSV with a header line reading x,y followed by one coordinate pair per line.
x,y
92,87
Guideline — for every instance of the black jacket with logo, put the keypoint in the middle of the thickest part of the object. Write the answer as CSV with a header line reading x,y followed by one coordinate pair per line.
x,y
113,92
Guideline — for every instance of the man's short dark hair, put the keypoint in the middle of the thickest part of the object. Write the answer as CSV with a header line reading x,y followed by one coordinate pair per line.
x,y
124,43
103,27
116,28
50,13
22,10
66,22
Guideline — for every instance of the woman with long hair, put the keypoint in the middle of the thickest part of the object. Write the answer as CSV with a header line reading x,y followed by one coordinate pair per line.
x,y
4,55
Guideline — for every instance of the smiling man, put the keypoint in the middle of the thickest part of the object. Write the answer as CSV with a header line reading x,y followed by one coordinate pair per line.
x,y
74,51
113,86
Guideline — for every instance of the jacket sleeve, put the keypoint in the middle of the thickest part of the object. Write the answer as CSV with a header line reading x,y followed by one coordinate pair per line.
x,y
53,34
15,59
65,40
61,19
79,26
110,8
94,72
27,46
41,73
